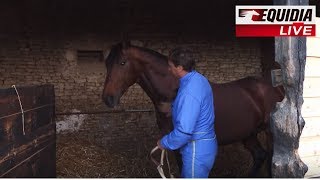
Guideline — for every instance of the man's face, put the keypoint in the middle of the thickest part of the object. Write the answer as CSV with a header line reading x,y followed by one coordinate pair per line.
x,y
173,69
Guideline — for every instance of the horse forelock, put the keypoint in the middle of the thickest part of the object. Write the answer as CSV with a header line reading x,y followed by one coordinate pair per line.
x,y
115,53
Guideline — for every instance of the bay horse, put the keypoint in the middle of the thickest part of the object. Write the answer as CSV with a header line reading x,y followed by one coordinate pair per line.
x,y
242,107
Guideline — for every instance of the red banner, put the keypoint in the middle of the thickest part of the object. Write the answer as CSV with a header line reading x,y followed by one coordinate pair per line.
x,y
271,30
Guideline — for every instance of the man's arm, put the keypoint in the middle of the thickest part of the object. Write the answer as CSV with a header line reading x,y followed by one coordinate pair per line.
x,y
188,113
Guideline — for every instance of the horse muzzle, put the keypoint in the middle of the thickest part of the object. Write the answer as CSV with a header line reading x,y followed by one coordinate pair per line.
x,y
111,101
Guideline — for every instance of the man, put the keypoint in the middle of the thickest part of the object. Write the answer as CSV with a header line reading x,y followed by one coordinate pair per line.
x,y
193,118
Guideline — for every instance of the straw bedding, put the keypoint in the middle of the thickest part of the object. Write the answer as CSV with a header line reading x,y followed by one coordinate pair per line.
x,y
77,157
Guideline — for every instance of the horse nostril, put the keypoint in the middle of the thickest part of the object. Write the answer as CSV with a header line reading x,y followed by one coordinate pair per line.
x,y
109,101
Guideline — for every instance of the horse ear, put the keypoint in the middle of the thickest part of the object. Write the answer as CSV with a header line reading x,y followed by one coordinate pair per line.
x,y
126,44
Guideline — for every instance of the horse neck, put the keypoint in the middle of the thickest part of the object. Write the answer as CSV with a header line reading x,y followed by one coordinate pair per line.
x,y
155,79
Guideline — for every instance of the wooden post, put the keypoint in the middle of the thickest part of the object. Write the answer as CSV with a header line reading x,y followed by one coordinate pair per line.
x,y
287,122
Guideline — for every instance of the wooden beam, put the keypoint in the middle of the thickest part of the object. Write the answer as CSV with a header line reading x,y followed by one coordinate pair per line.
x,y
286,121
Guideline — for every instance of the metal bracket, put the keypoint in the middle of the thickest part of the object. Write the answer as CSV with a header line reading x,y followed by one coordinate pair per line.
x,y
276,76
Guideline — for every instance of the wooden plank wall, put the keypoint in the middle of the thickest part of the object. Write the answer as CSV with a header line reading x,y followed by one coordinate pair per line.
x,y
309,149
27,148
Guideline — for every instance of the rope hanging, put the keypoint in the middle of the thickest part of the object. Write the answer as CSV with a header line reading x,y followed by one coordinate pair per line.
x,y
22,112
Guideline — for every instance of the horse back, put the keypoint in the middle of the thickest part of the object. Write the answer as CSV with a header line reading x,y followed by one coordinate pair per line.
x,y
242,107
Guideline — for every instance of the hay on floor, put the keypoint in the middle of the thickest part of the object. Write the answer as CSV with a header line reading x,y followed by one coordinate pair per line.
x,y
79,158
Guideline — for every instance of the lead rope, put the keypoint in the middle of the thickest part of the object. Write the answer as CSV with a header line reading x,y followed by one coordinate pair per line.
x,y
22,112
167,157
159,165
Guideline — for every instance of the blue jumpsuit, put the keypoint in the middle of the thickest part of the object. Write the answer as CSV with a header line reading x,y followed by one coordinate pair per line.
x,y
193,120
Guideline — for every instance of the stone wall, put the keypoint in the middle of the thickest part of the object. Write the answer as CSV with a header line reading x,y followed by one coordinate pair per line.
x,y
39,45
41,60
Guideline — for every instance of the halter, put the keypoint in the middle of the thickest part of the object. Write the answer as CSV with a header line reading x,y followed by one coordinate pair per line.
x,y
159,165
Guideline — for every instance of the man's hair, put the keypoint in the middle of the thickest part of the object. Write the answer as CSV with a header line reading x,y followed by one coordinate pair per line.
x,y
183,57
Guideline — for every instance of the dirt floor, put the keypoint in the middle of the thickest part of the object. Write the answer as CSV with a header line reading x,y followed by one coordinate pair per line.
x,y
77,157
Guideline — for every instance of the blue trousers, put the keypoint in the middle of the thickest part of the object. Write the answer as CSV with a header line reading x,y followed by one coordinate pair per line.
x,y
198,158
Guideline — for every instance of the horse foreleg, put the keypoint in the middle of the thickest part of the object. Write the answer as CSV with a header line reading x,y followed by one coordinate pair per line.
x,y
258,153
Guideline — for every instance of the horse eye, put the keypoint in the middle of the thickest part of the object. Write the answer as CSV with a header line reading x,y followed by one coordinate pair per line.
x,y
123,63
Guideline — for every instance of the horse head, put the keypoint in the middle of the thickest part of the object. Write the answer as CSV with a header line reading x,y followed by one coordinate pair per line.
x,y
122,72
127,64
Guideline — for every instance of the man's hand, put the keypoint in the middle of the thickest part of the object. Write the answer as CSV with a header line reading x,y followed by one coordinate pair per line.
x,y
159,144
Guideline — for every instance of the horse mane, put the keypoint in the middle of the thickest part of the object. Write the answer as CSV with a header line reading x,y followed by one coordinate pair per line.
x,y
116,52
152,52
157,60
